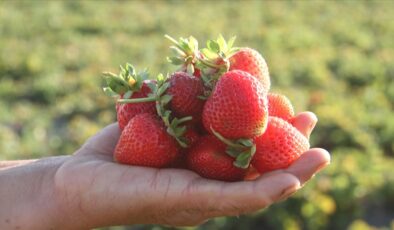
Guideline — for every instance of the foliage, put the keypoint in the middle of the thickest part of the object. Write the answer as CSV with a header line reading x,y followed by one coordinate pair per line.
x,y
333,58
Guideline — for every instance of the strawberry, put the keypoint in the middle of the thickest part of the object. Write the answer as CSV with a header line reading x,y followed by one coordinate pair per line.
x,y
251,61
191,137
220,56
145,142
185,91
129,85
280,106
279,146
209,159
237,107
126,111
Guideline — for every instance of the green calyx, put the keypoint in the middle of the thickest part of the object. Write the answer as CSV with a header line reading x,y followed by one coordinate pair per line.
x,y
214,61
242,149
125,83
185,53
216,55
174,126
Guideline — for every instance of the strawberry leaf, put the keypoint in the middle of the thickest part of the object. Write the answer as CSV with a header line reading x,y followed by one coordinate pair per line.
x,y
109,92
213,46
232,152
243,160
245,142
190,69
230,42
180,131
128,94
176,60
165,99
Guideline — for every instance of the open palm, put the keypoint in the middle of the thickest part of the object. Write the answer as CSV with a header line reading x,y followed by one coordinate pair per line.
x,y
106,193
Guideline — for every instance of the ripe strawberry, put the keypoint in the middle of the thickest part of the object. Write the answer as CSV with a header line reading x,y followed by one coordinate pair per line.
x,y
185,90
279,146
280,106
237,107
145,142
251,61
125,112
191,137
209,159
129,84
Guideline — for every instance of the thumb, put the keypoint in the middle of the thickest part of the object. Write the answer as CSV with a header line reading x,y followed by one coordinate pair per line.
x,y
305,122
104,142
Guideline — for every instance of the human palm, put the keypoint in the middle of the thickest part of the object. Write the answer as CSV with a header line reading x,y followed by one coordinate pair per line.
x,y
106,193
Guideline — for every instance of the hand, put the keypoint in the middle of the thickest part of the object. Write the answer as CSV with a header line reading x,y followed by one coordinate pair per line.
x,y
94,191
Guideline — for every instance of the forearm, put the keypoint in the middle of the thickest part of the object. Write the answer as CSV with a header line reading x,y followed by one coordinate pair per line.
x,y
27,194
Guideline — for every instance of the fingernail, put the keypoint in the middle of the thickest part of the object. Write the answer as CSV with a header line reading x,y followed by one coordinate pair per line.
x,y
321,166
288,192
312,125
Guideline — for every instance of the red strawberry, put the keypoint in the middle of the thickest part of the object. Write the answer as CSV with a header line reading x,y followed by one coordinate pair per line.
x,y
209,159
251,61
279,146
280,106
127,111
237,107
129,84
191,137
185,90
145,142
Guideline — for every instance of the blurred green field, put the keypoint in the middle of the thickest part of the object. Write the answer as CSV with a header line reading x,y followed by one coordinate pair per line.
x,y
333,58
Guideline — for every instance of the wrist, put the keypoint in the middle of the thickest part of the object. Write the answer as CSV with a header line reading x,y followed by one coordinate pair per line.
x,y
9,164
28,197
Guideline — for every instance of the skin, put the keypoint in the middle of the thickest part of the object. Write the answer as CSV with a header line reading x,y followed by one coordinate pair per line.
x,y
87,189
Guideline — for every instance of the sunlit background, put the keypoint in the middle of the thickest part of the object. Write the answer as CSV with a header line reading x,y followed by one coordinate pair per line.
x,y
333,58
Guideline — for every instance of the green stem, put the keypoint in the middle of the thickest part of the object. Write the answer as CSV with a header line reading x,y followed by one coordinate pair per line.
x,y
109,74
171,39
138,100
226,141
183,119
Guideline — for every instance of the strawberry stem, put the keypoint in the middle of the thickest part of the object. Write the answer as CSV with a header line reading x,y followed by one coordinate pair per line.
x,y
137,100
184,119
172,40
226,141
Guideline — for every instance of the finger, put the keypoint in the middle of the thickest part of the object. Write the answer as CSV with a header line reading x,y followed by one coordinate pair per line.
x,y
104,142
227,199
309,163
305,122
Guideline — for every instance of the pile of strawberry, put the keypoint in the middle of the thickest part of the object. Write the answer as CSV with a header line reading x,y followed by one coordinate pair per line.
x,y
214,115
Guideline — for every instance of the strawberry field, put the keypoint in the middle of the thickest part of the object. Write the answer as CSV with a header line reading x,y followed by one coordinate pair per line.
x,y
332,58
